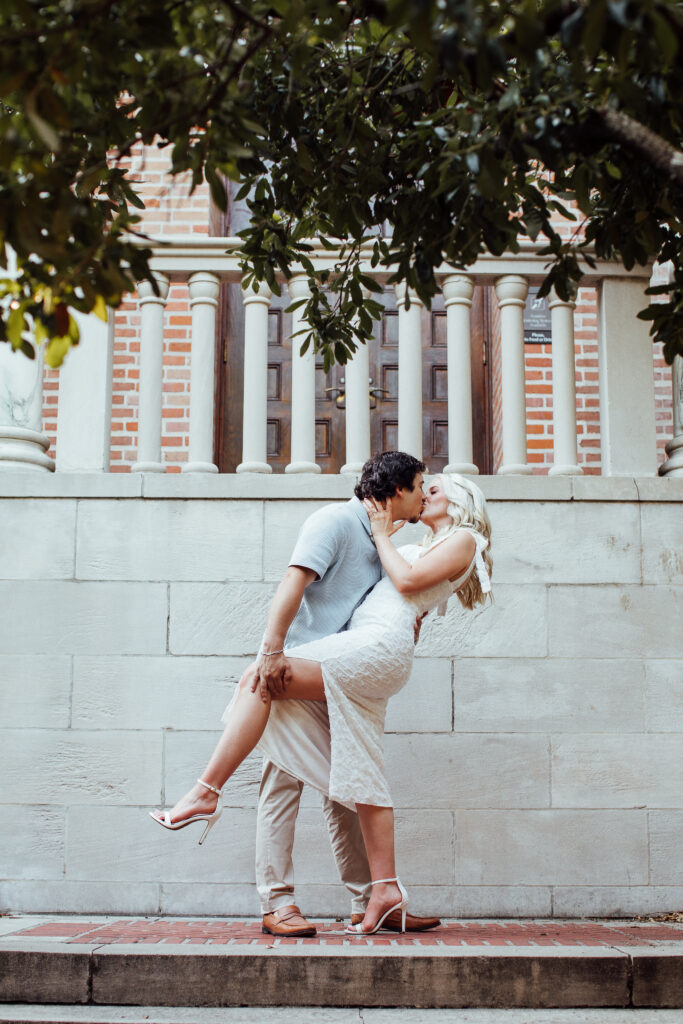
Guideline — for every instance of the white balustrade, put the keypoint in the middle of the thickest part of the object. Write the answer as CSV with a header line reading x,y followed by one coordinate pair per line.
x,y
302,452
458,290
152,308
204,289
564,389
255,417
409,372
627,422
511,291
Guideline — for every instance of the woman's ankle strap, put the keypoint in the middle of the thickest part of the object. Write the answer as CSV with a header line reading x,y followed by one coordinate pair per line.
x,y
376,881
207,786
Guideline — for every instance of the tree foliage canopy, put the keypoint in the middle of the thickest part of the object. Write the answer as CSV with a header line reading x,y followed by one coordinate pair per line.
x,y
462,125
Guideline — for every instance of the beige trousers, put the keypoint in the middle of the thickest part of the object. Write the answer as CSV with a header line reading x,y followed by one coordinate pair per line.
x,y
278,808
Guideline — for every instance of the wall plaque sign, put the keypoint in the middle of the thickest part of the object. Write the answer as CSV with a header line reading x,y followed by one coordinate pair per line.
x,y
537,325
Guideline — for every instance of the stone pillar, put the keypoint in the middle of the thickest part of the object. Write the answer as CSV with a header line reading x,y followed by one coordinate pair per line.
x,y
409,373
511,290
627,404
23,445
674,448
303,389
85,394
255,418
151,374
564,389
357,401
203,301
457,292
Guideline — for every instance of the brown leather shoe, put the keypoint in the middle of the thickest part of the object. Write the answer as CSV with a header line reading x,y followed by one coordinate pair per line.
x,y
413,923
287,921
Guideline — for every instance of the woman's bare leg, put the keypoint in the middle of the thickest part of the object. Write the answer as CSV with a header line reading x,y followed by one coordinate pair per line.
x,y
244,729
377,825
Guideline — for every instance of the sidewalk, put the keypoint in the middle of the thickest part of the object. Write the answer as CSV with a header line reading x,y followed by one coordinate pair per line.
x,y
223,962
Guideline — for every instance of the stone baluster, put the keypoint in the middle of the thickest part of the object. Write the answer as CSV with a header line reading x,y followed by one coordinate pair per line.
x,y
511,291
303,389
23,445
458,290
152,308
409,372
357,401
674,448
204,289
564,389
255,416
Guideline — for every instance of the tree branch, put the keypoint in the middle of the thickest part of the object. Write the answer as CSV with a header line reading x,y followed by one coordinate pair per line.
x,y
648,144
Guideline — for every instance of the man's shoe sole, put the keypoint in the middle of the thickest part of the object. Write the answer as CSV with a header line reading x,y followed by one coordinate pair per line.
x,y
302,933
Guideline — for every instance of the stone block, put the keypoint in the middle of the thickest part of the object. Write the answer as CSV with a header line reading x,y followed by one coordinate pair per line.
x,y
659,488
20,484
37,540
477,770
662,539
425,704
425,847
664,695
31,842
547,695
58,975
282,522
83,618
615,900
74,766
35,691
617,771
123,844
572,542
111,692
293,976
604,488
66,897
185,756
657,977
616,621
666,844
210,899
169,540
551,847
516,622
218,618
502,901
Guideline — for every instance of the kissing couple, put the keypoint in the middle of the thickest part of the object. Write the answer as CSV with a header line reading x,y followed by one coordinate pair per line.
x,y
338,643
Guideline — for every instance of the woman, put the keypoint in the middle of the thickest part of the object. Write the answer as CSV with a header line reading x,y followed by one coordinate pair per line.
x,y
356,672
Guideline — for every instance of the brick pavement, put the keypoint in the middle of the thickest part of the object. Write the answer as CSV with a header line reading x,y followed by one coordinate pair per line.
x,y
225,932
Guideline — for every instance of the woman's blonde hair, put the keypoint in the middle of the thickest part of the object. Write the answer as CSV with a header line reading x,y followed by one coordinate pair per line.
x,y
466,507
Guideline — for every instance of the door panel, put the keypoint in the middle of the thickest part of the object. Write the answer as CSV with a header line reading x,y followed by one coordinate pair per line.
x,y
330,405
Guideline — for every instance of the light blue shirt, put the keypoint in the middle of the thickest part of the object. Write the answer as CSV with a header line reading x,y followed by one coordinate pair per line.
x,y
336,543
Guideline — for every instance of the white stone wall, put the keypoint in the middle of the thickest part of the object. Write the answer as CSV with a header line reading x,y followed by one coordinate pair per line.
x,y
536,757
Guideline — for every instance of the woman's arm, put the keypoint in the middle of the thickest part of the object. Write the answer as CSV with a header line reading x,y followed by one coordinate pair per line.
x,y
447,561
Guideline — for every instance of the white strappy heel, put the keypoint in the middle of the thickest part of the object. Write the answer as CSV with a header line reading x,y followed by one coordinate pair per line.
x,y
357,929
164,817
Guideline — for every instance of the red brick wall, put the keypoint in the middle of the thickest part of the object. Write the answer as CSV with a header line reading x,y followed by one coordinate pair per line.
x,y
171,210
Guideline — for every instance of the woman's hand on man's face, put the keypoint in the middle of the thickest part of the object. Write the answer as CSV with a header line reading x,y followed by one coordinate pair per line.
x,y
381,517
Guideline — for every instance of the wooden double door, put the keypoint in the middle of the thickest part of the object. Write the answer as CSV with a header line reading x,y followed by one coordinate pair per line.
x,y
330,411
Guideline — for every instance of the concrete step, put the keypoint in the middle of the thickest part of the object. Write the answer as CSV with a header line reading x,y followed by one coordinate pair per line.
x,y
17,1013
221,963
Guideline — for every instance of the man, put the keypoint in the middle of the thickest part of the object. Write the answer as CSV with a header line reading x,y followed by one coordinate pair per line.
x,y
333,566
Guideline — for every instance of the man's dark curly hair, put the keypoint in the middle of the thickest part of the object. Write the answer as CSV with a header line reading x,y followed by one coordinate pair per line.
x,y
386,471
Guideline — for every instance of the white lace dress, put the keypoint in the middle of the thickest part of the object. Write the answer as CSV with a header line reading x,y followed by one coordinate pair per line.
x,y
361,668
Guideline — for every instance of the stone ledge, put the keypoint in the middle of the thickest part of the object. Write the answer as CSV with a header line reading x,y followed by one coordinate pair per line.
x,y
317,487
